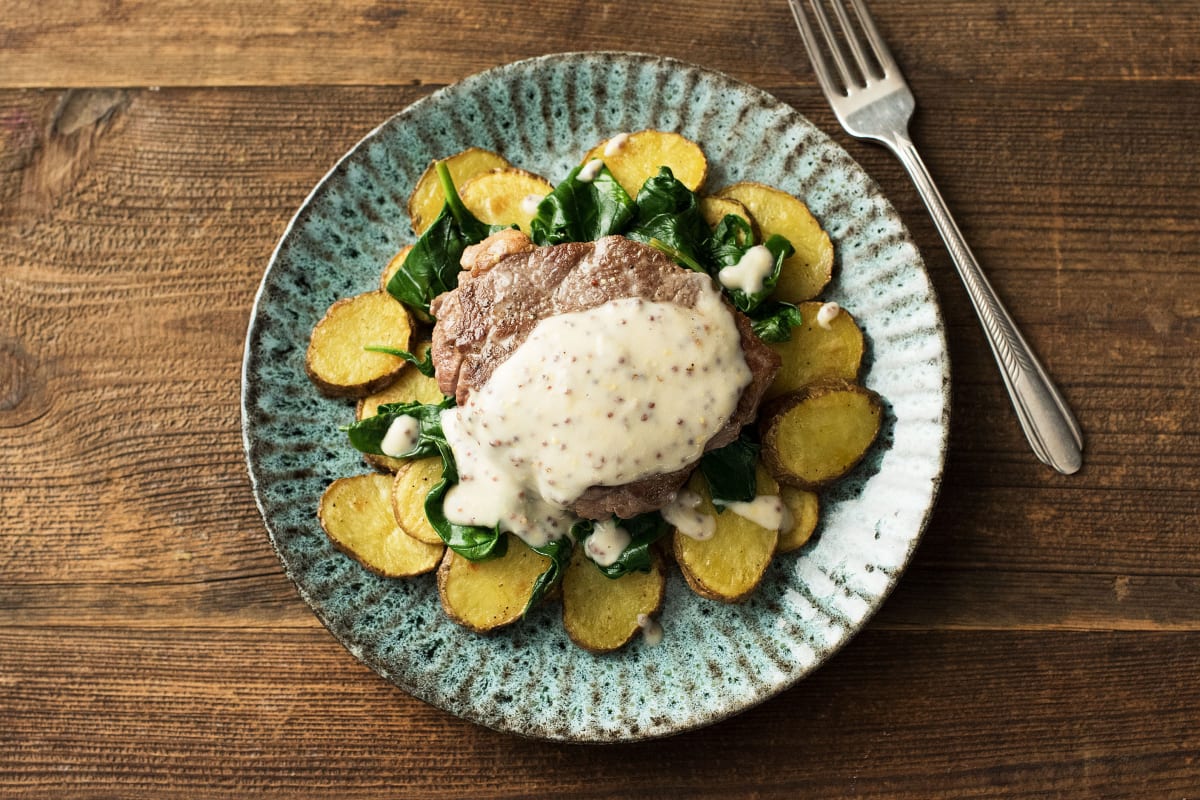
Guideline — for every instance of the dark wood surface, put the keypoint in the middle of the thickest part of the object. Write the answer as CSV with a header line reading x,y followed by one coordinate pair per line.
x,y
1045,641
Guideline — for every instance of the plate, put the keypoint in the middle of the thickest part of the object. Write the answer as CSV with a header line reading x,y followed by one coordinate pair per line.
x,y
715,659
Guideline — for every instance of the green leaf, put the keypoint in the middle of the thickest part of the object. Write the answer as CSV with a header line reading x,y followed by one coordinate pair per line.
x,y
366,435
425,367
559,553
780,248
582,211
644,530
433,265
472,542
773,321
730,471
729,241
669,213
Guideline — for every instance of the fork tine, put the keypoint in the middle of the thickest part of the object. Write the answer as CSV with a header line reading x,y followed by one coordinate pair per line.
x,y
878,46
820,66
852,38
831,41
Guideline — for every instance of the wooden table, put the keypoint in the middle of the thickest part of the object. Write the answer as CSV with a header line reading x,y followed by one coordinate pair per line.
x,y
1045,641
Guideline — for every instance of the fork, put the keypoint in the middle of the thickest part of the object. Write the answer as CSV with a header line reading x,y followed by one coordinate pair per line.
x,y
872,101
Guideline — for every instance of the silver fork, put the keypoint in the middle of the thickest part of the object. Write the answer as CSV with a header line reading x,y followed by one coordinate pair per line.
x,y
873,101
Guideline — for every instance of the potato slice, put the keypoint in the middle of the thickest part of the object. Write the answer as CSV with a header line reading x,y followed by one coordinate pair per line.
x,y
601,613
336,361
639,155
715,209
505,196
356,514
485,595
729,566
412,485
817,435
393,266
427,200
815,353
410,387
810,268
804,507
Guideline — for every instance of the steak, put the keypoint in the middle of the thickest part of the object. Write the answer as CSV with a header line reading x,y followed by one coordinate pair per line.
x,y
509,285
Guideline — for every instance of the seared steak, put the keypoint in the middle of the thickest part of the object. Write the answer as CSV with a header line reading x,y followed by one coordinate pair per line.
x,y
511,286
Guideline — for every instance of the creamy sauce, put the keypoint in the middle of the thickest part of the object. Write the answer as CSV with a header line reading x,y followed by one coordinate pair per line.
x,y
615,144
766,511
828,314
754,267
590,170
652,631
607,542
401,436
530,203
600,397
683,514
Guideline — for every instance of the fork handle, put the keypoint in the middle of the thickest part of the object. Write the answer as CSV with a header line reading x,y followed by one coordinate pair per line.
x,y
1048,423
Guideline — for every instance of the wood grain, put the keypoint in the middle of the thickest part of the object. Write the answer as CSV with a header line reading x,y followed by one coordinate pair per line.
x,y
385,42
1043,643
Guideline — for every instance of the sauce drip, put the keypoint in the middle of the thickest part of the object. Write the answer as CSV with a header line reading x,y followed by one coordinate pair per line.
x,y
601,397
401,436
827,314
752,269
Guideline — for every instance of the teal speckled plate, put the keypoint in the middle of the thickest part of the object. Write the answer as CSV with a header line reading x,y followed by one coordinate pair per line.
x,y
715,659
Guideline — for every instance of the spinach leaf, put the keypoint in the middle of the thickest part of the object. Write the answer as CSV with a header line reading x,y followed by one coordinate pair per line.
x,y
729,241
773,321
366,435
780,248
424,367
644,530
432,266
730,471
470,541
582,211
668,213
559,553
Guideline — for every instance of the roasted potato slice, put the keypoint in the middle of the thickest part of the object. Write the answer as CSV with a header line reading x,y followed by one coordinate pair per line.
x,y
815,353
817,434
804,506
715,209
410,387
411,486
729,566
485,595
632,158
506,196
336,361
426,201
806,272
601,613
356,514
393,266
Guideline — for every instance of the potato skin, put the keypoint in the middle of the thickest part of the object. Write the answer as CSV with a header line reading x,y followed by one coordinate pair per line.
x,y
645,151
783,417
426,201
393,266
807,271
356,515
335,361
509,579
735,539
584,584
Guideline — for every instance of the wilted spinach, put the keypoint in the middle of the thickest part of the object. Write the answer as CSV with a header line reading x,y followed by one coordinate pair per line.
x,y
644,530
424,366
366,435
730,471
773,321
582,211
668,213
432,266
